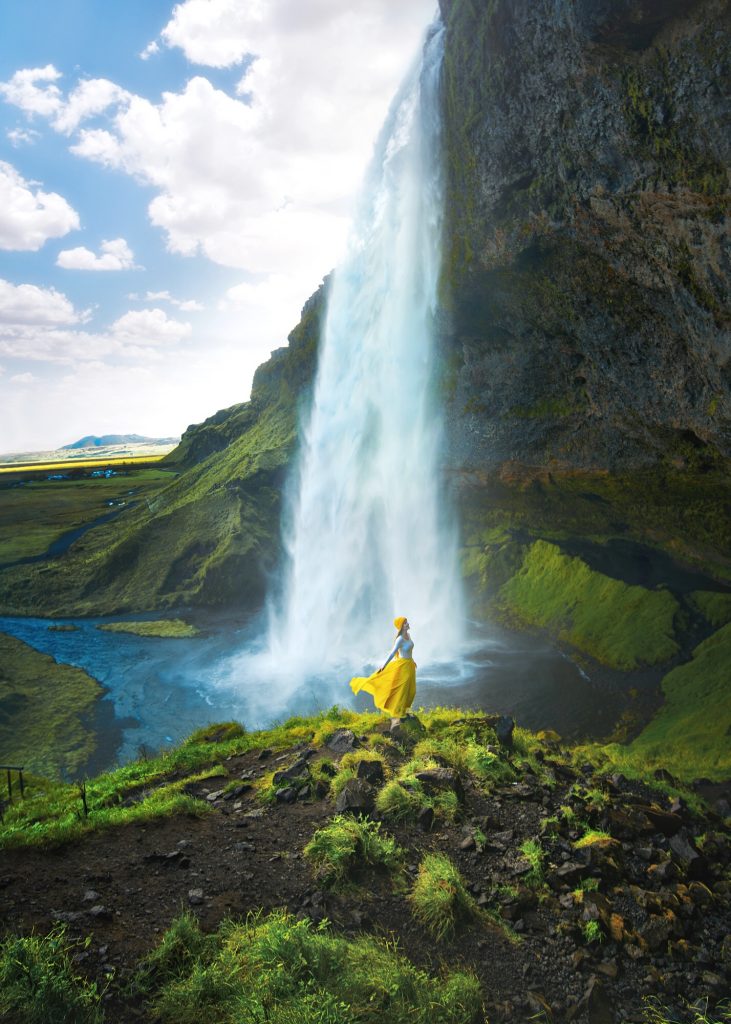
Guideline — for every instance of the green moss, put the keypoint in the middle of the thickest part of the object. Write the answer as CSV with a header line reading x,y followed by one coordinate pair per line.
x,y
691,733
714,606
159,628
280,970
46,711
619,625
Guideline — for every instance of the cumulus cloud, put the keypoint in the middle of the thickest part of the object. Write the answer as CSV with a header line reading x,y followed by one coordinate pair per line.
x,y
90,97
150,50
115,255
29,304
23,91
21,137
150,327
28,216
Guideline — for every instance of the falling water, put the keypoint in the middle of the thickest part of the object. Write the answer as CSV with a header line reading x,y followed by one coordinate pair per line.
x,y
368,535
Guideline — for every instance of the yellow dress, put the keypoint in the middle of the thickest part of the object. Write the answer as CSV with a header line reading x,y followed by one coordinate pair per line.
x,y
393,688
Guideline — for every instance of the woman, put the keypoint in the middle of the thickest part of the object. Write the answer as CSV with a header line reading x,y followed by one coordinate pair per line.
x,y
393,686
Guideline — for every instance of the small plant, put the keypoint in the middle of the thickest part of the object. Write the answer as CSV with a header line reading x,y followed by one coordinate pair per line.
x,y
38,984
593,932
345,844
439,897
656,1014
533,853
591,836
396,802
567,813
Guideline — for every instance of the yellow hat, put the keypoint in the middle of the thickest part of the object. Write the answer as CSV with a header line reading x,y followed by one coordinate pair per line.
x,y
398,622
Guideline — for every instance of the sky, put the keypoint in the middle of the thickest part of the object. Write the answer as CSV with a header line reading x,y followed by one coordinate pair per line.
x,y
175,182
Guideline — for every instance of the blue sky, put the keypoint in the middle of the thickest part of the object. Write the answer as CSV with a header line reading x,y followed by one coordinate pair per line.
x,y
175,181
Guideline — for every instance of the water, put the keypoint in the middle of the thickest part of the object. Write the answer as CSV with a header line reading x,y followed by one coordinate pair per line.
x,y
368,536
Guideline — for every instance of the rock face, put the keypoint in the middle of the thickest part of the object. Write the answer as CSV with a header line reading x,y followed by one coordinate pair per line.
x,y
587,264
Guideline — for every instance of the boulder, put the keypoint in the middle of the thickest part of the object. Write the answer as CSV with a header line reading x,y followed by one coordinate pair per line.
x,y
407,730
504,728
693,863
433,779
342,741
356,797
425,818
371,771
294,771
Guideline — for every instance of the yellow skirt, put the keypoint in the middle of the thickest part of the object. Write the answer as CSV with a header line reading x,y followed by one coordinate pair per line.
x,y
393,688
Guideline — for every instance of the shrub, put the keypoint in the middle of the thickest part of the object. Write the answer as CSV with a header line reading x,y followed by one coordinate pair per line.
x,y
38,984
346,843
439,897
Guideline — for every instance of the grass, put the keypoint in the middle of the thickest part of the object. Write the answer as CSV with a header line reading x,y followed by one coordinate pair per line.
x,y
621,626
37,513
691,733
38,983
715,607
655,1013
533,853
593,932
46,711
348,767
279,970
402,797
157,627
591,837
347,844
439,898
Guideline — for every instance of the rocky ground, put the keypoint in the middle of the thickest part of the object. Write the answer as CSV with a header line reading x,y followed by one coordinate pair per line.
x,y
652,888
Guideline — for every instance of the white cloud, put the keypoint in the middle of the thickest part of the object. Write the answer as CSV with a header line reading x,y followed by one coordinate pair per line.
x,y
90,97
150,327
150,50
29,304
18,137
22,90
29,218
115,255
184,305
23,378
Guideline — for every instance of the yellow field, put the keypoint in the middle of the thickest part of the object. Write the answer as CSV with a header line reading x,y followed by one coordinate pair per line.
x,y
68,464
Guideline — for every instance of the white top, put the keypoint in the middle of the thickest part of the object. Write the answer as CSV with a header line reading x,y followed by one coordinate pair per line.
x,y
403,647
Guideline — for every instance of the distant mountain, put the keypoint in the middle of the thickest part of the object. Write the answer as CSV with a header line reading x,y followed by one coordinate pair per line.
x,y
91,441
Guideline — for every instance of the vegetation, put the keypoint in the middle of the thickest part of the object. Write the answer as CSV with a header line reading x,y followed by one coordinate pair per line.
x,y
347,844
439,898
533,853
619,625
716,607
157,627
46,711
39,985
279,970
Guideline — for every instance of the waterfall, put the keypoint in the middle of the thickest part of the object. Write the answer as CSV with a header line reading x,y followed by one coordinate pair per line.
x,y
367,534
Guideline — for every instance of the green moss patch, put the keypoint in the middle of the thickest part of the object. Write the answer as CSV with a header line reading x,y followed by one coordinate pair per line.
x,y
158,627
715,607
691,733
619,625
46,711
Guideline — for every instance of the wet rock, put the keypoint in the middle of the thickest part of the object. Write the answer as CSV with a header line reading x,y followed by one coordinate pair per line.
x,y
504,728
434,779
343,741
371,771
425,818
356,797
684,849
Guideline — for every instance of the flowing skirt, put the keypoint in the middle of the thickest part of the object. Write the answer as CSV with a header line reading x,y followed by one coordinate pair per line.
x,y
393,688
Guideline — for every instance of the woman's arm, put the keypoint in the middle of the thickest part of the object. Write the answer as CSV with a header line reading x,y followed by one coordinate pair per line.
x,y
396,647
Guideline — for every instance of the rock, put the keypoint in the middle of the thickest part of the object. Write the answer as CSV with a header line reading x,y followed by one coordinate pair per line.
x,y
342,741
504,728
684,849
195,897
356,797
662,821
425,818
303,793
287,795
293,772
567,874
231,794
407,730
90,896
608,968
67,916
468,843
656,933
100,912
215,795
371,771
722,807
264,754
663,775
433,779
663,872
